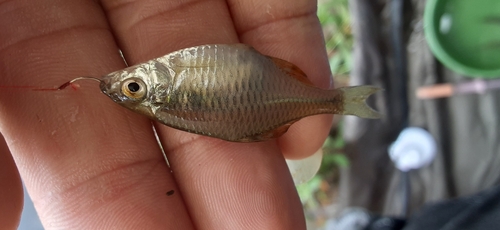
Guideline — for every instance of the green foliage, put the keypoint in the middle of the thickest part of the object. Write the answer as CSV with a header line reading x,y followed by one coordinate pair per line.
x,y
321,189
333,160
335,20
307,190
333,152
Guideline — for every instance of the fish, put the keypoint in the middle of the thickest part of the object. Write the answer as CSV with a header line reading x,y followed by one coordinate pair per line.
x,y
229,91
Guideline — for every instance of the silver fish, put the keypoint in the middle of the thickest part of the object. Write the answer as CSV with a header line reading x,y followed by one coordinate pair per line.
x,y
231,92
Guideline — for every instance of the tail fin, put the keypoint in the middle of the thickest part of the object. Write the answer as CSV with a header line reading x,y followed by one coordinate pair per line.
x,y
355,101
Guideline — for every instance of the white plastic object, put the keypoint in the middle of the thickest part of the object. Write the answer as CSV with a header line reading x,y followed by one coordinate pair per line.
x,y
304,169
350,219
414,149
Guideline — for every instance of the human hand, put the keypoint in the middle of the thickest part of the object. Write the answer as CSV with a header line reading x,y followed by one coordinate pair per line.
x,y
91,164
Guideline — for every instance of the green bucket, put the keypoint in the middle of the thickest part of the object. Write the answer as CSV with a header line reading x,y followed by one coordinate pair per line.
x,y
465,35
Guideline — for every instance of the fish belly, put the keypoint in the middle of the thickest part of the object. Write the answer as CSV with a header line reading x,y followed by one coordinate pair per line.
x,y
234,93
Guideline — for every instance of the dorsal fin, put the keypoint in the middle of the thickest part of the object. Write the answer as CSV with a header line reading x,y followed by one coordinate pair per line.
x,y
292,70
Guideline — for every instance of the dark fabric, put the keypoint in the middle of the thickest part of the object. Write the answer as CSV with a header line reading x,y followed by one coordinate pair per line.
x,y
477,212
386,223
364,183
481,211
465,127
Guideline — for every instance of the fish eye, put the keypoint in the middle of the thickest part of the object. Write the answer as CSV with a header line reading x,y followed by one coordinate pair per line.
x,y
134,88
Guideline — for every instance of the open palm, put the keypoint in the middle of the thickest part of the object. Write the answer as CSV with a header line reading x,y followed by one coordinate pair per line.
x,y
91,164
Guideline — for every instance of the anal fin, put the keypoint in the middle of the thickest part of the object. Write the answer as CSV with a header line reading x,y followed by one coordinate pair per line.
x,y
272,134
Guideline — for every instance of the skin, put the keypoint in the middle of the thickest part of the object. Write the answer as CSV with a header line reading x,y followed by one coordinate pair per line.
x,y
90,164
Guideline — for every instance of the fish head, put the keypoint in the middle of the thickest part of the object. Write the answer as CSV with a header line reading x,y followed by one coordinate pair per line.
x,y
130,87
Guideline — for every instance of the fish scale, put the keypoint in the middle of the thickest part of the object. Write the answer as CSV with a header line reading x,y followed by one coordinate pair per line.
x,y
231,92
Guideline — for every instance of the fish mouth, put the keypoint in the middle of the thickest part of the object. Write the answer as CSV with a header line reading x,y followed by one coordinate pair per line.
x,y
108,90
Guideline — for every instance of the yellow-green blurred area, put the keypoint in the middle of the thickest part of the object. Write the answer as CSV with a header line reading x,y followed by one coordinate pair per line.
x,y
336,23
320,193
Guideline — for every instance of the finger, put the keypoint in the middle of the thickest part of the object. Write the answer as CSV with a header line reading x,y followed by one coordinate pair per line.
x,y
290,31
86,163
225,185
149,28
11,189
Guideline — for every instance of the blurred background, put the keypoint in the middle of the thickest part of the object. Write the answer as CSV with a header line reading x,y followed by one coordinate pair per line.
x,y
435,152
